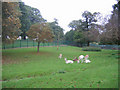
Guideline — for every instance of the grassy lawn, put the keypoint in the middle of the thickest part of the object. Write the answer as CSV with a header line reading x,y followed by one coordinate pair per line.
x,y
25,68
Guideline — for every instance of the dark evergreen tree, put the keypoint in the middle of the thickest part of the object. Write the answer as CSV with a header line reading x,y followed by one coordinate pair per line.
x,y
29,16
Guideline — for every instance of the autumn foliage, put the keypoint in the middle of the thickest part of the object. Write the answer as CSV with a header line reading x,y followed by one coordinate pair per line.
x,y
40,32
10,21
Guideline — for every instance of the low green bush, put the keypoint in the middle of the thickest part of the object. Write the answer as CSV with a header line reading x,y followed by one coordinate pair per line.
x,y
61,71
91,49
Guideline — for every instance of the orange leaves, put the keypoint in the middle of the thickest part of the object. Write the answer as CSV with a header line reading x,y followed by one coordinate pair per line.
x,y
40,31
10,21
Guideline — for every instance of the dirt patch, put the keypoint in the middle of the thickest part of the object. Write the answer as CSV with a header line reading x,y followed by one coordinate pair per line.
x,y
24,58
6,60
40,53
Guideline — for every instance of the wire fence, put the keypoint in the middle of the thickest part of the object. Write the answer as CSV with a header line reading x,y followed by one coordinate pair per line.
x,y
114,47
32,43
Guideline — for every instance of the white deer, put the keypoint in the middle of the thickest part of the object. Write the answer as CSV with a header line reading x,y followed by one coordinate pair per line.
x,y
60,56
86,59
68,61
81,58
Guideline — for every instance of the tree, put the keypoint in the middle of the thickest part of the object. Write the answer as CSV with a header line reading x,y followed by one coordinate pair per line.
x,y
111,30
79,38
93,34
89,20
40,32
86,28
58,31
81,35
25,20
29,16
35,15
69,36
75,24
10,21
118,22
0,22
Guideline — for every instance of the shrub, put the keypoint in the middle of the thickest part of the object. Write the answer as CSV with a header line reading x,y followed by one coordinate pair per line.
x,y
118,57
61,71
91,49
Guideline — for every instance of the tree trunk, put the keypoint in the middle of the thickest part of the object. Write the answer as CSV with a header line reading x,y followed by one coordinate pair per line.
x,y
24,37
57,44
118,22
81,45
38,47
88,43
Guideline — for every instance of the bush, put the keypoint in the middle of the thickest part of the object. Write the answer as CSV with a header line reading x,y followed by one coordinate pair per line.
x,y
91,49
61,71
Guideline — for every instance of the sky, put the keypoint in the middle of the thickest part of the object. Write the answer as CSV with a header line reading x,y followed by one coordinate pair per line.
x,y
68,10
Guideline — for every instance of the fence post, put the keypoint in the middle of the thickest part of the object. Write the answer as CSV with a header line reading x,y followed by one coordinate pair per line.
x,y
27,42
4,46
20,43
33,43
48,43
13,45
52,44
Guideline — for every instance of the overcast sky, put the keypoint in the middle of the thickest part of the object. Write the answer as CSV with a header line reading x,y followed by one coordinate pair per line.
x,y
67,10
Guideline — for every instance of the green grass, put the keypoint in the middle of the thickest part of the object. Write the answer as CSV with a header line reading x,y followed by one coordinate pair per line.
x,y
25,68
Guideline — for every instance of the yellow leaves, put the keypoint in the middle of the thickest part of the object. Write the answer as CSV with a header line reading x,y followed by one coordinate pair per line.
x,y
9,18
10,21
41,31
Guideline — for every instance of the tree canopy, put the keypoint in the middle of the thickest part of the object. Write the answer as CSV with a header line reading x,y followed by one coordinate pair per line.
x,y
20,19
85,30
111,33
29,16
40,32
10,21
57,30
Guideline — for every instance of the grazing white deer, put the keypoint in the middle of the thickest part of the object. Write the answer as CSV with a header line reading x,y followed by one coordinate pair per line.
x,y
86,59
81,58
68,61
60,56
